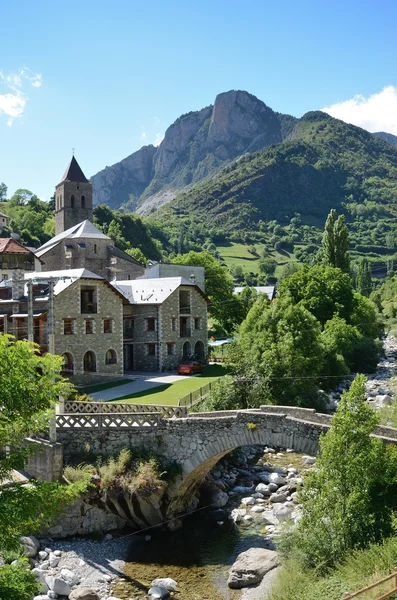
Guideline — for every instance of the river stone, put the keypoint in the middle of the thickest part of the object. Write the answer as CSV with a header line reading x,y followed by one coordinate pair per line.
x,y
263,489
276,497
248,501
165,582
237,514
158,592
220,499
251,566
384,400
70,577
58,585
257,508
269,518
31,545
45,597
282,512
276,478
84,593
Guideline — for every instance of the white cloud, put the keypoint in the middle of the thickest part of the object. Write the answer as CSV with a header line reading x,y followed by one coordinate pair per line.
x,y
159,139
13,102
377,112
143,136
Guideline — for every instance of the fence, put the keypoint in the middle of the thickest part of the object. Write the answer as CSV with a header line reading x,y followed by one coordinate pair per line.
x,y
379,584
167,412
66,422
197,395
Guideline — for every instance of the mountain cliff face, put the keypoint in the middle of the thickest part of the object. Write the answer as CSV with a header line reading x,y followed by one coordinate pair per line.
x,y
387,137
197,146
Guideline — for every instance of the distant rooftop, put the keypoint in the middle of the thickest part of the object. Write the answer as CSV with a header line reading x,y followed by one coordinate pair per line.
x,y
269,290
3,215
11,245
150,291
74,173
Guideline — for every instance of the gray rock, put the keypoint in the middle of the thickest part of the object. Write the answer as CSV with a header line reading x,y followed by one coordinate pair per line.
x,y
58,585
237,514
282,512
276,497
269,518
263,489
158,592
249,501
70,577
31,545
251,566
53,560
84,593
43,555
42,597
257,508
220,499
165,582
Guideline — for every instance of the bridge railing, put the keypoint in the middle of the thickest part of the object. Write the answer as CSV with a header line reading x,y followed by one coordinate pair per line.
x,y
75,406
65,422
378,587
198,395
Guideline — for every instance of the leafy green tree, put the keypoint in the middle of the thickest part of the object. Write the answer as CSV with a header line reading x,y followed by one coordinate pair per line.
x,y
281,351
324,291
20,197
218,287
336,242
349,497
364,278
138,255
3,192
30,385
267,265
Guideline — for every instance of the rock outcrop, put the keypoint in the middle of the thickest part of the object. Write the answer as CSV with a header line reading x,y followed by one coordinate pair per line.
x,y
194,148
251,566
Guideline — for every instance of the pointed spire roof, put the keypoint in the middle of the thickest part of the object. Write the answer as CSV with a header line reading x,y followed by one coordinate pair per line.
x,y
74,172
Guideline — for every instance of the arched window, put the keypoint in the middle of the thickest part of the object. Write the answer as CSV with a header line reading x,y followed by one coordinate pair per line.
x,y
82,201
89,362
199,351
111,357
186,350
68,367
72,201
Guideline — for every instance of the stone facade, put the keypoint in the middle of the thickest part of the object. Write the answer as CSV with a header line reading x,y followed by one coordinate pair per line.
x,y
73,204
162,335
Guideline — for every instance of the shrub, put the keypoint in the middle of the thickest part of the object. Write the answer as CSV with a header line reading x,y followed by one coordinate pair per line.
x,y
79,473
17,583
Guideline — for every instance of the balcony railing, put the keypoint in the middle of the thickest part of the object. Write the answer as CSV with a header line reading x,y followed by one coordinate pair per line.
x,y
184,309
185,332
88,308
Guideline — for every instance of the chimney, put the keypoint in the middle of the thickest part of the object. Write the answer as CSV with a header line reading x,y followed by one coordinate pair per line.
x,y
18,284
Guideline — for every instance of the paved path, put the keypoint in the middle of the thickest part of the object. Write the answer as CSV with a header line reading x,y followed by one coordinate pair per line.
x,y
142,383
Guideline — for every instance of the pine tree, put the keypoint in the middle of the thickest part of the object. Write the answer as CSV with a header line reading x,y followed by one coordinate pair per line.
x,y
336,242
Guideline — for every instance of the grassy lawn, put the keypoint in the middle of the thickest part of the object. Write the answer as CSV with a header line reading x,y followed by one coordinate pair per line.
x,y
235,254
170,393
99,387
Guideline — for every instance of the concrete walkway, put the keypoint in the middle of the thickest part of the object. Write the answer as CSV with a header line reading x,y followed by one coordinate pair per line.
x,y
143,382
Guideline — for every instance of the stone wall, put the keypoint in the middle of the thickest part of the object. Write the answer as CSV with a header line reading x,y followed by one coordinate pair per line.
x,y
67,215
47,461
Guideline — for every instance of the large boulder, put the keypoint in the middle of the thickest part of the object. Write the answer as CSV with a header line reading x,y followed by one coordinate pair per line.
x,y
84,593
219,499
31,545
70,577
165,582
251,566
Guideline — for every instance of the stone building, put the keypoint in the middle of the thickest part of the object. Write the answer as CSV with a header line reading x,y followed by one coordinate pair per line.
x,y
3,221
165,321
14,255
75,313
78,244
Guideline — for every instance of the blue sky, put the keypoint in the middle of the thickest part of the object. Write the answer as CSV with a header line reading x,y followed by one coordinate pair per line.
x,y
109,77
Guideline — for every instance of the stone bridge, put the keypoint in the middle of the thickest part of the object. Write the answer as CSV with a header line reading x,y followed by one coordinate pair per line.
x,y
199,440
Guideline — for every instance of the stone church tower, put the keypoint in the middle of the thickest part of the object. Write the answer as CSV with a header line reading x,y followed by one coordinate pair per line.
x,y
73,198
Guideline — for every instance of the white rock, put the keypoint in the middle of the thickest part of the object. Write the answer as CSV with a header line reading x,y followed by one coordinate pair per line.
x,y
270,451
257,508
52,595
31,545
158,592
69,576
269,518
237,514
249,501
309,460
45,597
251,566
282,512
53,560
276,478
43,555
108,537
57,553
58,585
248,518
290,450
263,489
165,582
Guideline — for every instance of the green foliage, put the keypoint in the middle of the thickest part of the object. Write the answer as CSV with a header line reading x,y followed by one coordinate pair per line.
x,y
348,499
364,278
17,583
30,385
3,192
224,395
336,242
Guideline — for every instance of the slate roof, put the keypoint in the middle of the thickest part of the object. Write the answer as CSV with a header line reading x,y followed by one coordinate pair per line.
x,y
3,215
269,290
85,229
74,173
11,245
151,291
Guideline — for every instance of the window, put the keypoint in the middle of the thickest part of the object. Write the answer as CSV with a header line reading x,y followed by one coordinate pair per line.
x,y
82,201
68,326
108,326
170,348
72,201
151,349
128,327
111,357
94,248
88,301
68,367
173,324
197,322
89,362
89,326
151,324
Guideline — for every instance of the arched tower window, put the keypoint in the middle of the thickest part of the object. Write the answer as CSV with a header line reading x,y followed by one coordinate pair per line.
x,y
82,201
111,357
68,367
72,201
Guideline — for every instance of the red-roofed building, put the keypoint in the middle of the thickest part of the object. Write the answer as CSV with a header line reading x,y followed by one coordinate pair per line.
x,y
14,255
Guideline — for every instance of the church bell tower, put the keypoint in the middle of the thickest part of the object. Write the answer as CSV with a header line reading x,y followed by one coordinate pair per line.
x,y
73,198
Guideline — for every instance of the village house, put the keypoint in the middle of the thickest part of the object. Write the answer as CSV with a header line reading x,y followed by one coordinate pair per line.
x,y
15,256
75,313
77,243
3,221
165,321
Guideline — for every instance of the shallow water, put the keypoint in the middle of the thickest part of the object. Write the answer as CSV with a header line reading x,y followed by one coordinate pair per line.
x,y
198,557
